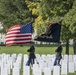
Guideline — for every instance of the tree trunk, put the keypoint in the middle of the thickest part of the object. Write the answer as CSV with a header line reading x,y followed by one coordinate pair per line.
x,y
67,47
74,45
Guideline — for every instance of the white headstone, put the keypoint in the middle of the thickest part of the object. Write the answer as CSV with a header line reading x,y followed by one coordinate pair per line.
x,y
75,66
47,71
64,69
26,70
65,57
70,58
34,67
56,70
37,71
16,71
4,71
71,67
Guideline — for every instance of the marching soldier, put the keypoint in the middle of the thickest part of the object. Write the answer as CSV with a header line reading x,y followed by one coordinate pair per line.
x,y
58,55
32,56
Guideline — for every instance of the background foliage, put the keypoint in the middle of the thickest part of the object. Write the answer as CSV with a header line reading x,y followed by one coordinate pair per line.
x,y
40,12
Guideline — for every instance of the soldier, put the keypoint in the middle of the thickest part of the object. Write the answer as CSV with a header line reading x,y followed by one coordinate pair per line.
x,y
31,51
58,55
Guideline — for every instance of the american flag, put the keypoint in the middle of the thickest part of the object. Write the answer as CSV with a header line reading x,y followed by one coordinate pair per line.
x,y
19,34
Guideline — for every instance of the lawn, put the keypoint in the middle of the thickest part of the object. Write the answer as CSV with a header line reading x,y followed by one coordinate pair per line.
x,y
39,49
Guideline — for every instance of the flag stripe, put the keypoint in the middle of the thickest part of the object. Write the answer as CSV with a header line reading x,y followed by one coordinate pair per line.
x,y
14,27
20,38
17,43
23,41
14,32
18,35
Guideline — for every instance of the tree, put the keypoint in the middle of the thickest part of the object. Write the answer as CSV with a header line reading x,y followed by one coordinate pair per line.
x,y
39,23
70,20
45,9
14,12
55,9
65,36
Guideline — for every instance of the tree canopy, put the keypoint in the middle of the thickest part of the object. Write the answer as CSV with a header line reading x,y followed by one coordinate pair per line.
x,y
20,12
14,12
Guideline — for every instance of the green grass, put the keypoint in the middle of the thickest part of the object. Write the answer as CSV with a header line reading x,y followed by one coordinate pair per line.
x,y
39,49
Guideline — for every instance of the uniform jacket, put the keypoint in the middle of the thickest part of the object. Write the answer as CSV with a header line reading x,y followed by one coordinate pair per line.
x,y
31,52
59,49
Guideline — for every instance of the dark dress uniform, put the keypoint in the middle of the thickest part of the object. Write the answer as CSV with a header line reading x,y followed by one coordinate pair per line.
x,y
31,55
58,55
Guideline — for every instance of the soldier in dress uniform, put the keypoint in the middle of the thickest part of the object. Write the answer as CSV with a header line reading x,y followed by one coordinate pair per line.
x,y
58,55
32,56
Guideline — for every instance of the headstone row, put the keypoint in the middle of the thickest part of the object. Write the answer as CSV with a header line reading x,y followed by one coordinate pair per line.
x,y
43,64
